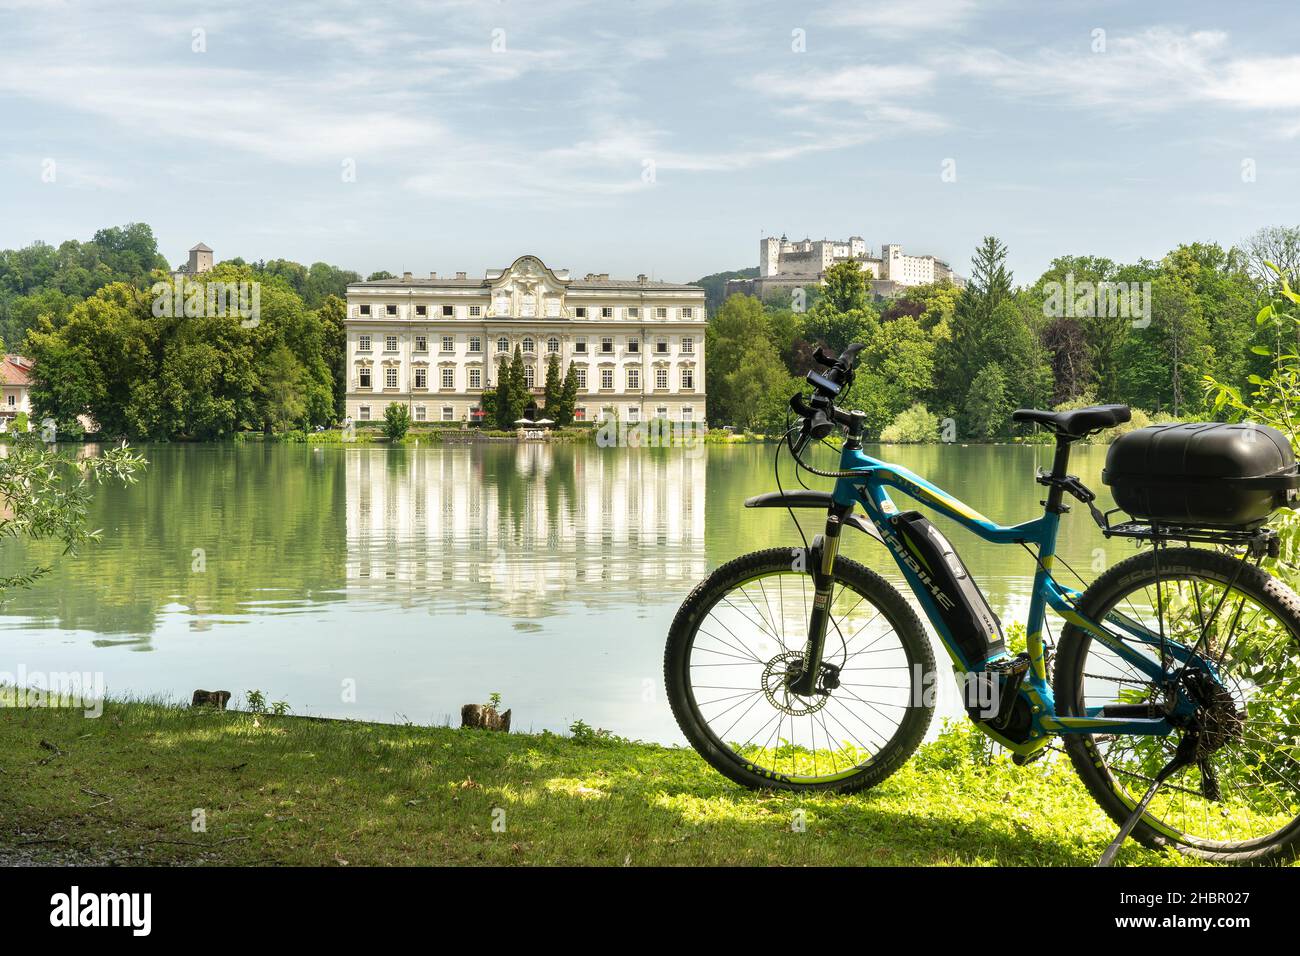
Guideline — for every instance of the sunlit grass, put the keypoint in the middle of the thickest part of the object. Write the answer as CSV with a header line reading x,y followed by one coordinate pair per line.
x,y
283,790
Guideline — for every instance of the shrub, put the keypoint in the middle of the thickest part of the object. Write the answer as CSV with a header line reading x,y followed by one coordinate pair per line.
x,y
914,425
397,420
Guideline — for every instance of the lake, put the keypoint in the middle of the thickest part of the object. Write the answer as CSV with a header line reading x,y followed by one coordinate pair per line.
x,y
397,584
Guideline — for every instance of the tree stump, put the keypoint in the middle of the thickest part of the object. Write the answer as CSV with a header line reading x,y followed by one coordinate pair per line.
x,y
482,717
211,698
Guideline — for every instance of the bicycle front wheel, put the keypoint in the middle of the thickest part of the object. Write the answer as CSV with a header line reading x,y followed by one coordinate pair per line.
x,y
1239,801
740,636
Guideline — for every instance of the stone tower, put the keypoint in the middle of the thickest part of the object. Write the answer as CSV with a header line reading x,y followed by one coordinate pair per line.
x,y
200,259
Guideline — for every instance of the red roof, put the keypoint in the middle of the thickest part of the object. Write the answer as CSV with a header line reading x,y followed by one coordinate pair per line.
x,y
16,370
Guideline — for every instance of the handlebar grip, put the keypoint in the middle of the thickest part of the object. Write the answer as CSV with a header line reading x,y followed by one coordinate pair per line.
x,y
822,357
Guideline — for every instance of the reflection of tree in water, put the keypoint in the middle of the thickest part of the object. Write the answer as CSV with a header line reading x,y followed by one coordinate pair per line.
x,y
520,528
269,520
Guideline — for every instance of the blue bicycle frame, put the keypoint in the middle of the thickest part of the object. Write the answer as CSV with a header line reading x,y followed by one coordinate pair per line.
x,y
869,487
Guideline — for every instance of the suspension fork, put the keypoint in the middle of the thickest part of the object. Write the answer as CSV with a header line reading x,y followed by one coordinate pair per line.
x,y
826,548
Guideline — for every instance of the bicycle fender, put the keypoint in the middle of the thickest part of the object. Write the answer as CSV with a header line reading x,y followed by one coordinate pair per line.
x,y
811,499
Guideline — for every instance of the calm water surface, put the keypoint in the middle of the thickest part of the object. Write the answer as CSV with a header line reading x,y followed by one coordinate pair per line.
x,y
430,577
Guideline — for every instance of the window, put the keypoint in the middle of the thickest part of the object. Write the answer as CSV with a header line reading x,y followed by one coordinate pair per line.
x,y
687,312
363,378
390,309
448,311
530,376
363,343
475,311
580,346
633,378
661,313
661,378
390,343
661,411
633,312
688,413
606,378
449,343
390,377
634,346
606,312
661,346
552,346
13,400
529,345
607,345
420,413
421,310
448,413
422,343
476,378
365,310
580,413
475,344
634,413
449,378
421,378
688,379
688,345
580,312
363,413
503,344
581,379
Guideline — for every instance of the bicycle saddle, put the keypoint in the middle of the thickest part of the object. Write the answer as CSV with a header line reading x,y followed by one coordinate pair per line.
x,y
1076,423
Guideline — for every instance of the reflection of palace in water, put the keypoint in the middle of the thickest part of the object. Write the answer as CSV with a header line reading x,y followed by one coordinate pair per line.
x,y
517,528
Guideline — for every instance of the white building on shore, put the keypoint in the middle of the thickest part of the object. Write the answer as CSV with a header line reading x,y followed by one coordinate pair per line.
x,y
434,343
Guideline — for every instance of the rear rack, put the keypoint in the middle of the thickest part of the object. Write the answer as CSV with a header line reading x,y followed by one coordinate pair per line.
x,y
1260,541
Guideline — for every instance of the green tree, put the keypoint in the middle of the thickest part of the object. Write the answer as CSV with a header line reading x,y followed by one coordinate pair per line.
x,y
45,494
553,391
332,316
844,287
282,387
913,425
568,397
988,408
397,421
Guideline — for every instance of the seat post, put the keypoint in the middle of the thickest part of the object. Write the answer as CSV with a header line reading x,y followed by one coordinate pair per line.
x,y
1060,468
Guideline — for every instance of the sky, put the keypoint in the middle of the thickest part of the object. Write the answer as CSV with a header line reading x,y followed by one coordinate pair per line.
x,y
632,136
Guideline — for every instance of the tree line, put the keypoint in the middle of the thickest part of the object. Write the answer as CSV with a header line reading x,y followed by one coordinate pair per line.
x,y
85,313
1089,330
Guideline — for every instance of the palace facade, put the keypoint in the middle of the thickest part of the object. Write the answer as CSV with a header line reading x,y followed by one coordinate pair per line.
x,y
434,344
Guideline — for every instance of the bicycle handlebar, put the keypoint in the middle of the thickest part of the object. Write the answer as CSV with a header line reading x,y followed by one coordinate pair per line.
x,y
820,416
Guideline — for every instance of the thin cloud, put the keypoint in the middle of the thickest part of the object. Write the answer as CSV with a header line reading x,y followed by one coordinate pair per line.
x,y
1155,70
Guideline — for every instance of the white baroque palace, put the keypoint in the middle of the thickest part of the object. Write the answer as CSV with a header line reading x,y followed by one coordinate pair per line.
x,y
434,344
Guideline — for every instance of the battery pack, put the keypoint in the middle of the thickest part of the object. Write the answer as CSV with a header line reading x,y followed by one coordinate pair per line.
x,y
971,623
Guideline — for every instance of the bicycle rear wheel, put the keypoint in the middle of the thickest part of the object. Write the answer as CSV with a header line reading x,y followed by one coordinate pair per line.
x,y
1240,801
739,637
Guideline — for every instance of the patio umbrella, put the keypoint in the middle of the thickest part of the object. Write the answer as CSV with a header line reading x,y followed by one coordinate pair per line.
x,y
524,421
543,421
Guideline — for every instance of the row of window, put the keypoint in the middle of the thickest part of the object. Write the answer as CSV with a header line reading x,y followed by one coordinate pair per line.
x,y
447,378
528,345
420,413
476,311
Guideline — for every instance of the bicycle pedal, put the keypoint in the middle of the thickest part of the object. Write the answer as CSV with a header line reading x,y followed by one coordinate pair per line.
x,y
1021,759
1010,665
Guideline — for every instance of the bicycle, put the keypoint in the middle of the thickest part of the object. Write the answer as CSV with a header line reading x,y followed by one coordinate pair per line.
x,y
1175,689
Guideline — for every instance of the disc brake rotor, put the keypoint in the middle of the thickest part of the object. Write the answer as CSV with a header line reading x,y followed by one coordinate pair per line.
x,y
776,677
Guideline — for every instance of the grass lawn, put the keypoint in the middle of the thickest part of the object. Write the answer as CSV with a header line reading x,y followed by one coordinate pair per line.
x,y
124,787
